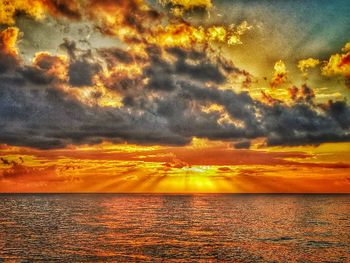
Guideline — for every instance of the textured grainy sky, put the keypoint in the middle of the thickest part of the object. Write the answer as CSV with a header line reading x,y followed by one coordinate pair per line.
x,y
174,96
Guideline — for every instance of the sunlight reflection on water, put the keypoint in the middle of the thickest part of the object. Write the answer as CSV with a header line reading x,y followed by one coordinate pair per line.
x,y
177,228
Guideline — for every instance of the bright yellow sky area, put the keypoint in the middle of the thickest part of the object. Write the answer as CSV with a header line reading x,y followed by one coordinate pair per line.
x,y
203,166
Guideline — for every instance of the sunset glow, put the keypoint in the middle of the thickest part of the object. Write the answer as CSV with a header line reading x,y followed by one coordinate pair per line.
x,y
173,97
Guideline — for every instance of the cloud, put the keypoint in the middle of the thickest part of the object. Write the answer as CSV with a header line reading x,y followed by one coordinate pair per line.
x,y
339,65
184,8
8,49
81,73
293,92
47,67
305,94
130,27
7,162
280,74
64,8
183,34
164,88
305,64
303,123
268,99
188,5
15,169
8,38
175,163
242,145
9,9
43,115
143,24
82,66
113,56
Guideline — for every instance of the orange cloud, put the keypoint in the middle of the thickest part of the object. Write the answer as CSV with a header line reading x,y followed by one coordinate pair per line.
x,y
9,9
8,49
346,48
55,66
127,26
338,64
280,74
8,39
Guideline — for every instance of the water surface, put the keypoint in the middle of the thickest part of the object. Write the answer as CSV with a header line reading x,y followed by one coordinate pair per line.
x,y
174,228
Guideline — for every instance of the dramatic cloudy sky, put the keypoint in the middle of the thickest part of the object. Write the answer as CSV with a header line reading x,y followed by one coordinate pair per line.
x,y
174,96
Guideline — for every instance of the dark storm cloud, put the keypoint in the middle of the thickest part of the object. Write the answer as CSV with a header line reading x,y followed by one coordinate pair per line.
x,y
35,112
36,76
81,73
160,74
300,123
196,65
82,66
7,62
305,124
193,65
340,112
45,117
195,122
202,72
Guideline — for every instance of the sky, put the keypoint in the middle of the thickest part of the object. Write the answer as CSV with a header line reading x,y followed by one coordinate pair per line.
x,y
175,96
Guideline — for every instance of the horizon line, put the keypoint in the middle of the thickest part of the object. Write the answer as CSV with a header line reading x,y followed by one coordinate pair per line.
x,y
170,193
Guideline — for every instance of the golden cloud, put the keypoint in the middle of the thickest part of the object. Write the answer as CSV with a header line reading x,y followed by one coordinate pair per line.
x,y
8,39
185,35
338,64
9,9
346,48
52,65
280,74
305,64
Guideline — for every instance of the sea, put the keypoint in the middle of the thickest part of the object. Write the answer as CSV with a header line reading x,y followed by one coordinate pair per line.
x,y
174,228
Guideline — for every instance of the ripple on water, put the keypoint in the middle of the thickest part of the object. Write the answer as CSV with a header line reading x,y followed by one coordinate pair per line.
x,y
174,228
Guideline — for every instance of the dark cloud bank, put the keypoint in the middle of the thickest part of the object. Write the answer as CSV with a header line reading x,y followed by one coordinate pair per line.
x,y
167,110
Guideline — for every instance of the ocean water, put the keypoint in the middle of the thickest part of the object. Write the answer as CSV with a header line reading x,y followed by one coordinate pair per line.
x,y
174,228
